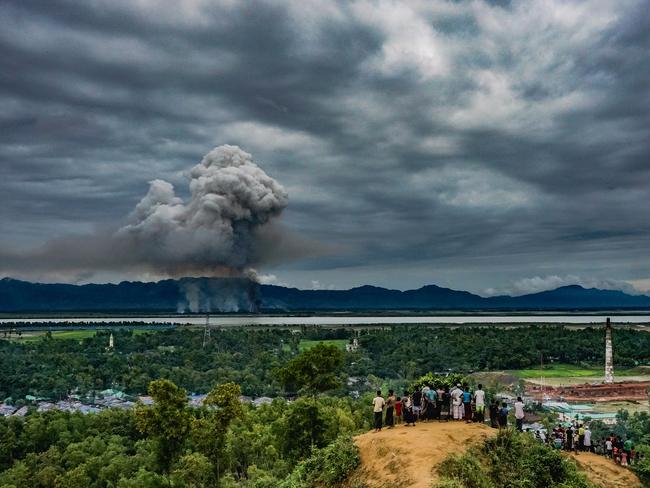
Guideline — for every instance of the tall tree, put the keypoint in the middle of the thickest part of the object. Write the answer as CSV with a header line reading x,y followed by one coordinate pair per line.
x,y
209,430
314,370
167,421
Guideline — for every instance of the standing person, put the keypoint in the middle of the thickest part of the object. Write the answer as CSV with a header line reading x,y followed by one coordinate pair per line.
x,y
424,410
586,440
390,407
568,444
494,414
398,409
431,397
378,408
417,402
445,404
479,401
457,402
440,396
407,409
467,404
519,414
581,437
503,416
609,447
628,445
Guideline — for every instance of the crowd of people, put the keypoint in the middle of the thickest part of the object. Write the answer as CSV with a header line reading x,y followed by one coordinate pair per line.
x,y
428,403
459,403
577,437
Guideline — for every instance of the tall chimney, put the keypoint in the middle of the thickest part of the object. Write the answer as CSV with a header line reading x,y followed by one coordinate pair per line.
x,y
609,361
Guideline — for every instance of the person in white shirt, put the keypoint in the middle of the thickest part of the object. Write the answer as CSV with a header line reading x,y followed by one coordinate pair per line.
x,y
519,414
457,402
479,402
378,408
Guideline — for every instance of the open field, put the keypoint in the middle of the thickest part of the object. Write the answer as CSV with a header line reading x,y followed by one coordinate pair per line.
x,y
556,371
566,374
67,334
306,344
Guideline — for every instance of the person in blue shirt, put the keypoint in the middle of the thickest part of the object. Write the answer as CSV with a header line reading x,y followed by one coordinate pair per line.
x,y
503,416
467,404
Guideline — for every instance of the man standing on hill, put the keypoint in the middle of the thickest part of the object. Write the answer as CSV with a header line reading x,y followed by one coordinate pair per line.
x,y
628,445
587,440
378,408
581,437
479,401
456,402
467,404
519,414
417,402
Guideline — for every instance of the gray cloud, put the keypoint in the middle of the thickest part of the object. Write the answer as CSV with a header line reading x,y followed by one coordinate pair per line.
x,y
465,143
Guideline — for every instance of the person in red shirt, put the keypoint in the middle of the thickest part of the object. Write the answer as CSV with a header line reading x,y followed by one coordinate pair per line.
x,y
398,409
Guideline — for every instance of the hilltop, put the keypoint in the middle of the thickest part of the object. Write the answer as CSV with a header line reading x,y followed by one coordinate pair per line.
x,y
407,457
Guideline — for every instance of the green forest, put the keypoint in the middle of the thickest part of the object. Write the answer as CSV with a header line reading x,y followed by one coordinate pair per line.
x,y
53,368
303,438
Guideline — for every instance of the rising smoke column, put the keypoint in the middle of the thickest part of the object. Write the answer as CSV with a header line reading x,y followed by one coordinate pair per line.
x,y
215,233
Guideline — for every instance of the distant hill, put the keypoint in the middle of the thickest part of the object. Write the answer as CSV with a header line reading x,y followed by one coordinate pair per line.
x,y
242,295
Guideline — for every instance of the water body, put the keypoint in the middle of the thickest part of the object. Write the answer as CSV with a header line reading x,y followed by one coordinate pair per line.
x,y
326,320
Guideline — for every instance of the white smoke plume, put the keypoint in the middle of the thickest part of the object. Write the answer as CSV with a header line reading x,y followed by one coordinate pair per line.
x,y
222,230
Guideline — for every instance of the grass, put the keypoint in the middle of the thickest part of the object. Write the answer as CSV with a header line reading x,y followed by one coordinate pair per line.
x,y
573,371
76,335
557,371
306,344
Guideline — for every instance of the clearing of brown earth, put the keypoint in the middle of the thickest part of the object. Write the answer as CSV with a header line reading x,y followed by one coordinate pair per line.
x,y
408,457
604,473
624,390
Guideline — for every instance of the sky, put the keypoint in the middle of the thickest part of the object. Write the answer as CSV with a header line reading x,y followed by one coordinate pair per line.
x,y
491,146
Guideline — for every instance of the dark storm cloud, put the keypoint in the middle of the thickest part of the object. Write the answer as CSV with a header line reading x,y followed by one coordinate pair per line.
x,y
470,143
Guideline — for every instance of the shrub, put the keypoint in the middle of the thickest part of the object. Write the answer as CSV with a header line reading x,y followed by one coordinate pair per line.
x,y
328,466
438,380
511,459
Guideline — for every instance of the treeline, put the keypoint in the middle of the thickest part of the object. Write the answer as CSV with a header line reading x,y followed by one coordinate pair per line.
x,y
53,368
411,351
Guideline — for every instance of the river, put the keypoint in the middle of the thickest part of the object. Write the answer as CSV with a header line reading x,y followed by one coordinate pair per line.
x,y
333,320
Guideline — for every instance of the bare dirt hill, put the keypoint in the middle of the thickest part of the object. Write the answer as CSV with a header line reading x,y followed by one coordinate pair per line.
x,y
407,457
604,473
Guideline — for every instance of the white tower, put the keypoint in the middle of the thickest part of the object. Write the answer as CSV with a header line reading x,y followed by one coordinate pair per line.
x,y
206,331
609,359
111,343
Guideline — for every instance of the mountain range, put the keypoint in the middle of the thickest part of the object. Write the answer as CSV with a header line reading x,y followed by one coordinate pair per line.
x,y
242,295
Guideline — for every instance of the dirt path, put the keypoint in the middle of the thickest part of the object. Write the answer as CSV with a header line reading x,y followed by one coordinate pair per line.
x,y
408,456
604,473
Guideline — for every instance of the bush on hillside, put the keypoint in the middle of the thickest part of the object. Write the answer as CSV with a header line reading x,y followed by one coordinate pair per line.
x,y
439,380
511,460
328,466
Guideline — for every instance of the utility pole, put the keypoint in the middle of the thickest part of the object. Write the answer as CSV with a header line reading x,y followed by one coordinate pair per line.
x,y
206,331
609,357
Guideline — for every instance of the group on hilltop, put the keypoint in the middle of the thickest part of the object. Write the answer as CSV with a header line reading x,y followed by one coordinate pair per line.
x,y
577,437
429,403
